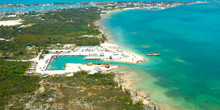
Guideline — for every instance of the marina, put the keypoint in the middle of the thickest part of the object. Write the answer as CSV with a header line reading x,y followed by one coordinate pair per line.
x,y
104,53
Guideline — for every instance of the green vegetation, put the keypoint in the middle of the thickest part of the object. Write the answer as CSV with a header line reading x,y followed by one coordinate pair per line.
x,y
84,91
64,26
13,83
81,91
8,31
76,21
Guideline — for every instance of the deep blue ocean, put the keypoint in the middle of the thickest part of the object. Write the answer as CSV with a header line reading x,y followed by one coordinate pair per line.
x,y
187,74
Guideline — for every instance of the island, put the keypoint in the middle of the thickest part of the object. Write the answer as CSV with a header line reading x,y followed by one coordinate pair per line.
x,y
29,41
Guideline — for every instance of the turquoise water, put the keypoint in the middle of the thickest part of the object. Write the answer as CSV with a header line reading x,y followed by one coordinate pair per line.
x,y
74,1
187,74
39,8
59,64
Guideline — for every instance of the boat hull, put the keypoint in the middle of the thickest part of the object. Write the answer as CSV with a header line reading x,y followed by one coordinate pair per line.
x,y
153,54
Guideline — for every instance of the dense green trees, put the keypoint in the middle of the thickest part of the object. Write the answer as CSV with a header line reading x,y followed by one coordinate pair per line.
x,y
63,22
8,31
40,29
106,92
13,82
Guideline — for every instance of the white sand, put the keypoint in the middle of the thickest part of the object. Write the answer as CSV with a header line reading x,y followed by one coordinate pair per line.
x,y
107,44
11,22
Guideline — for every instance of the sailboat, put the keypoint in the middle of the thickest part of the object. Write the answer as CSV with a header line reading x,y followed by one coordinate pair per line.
x,y
154,54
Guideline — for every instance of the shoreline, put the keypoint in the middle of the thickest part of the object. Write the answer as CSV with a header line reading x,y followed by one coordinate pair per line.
x,y
126,80
109,38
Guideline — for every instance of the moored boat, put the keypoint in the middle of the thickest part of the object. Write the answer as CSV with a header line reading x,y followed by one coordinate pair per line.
x,y
153,54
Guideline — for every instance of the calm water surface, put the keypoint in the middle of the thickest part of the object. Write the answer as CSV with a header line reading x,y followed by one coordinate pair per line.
x,y
39,8
59,64
74,1
187,75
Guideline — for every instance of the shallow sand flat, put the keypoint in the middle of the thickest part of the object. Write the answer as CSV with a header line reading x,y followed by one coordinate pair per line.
x,y
127,80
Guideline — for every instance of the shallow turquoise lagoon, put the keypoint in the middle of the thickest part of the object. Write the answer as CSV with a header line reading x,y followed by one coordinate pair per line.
x,y
59,64
74,1
187,74
39,8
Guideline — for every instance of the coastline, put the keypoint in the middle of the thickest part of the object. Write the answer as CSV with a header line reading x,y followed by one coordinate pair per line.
x,y
102,28
109,38
127,79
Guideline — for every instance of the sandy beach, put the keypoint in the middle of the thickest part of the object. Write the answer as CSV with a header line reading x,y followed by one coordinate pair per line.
x,y
125,78
11,22
101,28
109,38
